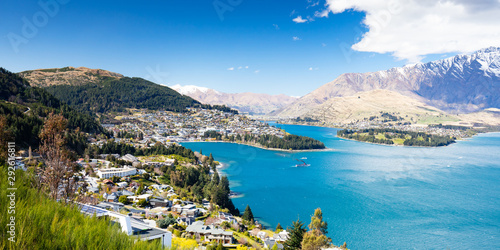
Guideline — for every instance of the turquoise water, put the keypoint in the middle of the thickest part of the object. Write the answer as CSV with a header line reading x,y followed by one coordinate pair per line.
x,y
374,196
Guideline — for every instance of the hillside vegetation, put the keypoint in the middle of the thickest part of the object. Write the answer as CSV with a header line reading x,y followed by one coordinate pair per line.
x,y
43,223
96,91
24,107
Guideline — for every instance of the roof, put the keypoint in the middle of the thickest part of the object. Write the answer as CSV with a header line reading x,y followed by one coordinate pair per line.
x,y
91,210
143,230
201,228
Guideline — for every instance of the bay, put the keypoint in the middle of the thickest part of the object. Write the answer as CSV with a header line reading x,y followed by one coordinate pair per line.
x,y
374,196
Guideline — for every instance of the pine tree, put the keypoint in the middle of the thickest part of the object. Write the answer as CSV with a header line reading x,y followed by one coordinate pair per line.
x,y
278,228
296,236
248,215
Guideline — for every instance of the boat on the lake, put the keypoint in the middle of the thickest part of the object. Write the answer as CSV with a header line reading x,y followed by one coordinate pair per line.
x,y
303,164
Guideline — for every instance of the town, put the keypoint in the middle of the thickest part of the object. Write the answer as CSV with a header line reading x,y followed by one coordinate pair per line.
x,y
157,190
168,127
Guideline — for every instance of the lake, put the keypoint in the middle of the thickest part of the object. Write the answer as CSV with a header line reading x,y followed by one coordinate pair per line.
x,y
374,196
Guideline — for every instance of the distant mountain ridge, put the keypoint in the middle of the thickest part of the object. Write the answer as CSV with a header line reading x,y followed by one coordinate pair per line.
x,y
251,103
66,76
460,84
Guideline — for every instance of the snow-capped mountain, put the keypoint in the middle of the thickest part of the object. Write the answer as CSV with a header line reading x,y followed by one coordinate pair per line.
x,y
191,89
251,103
459,84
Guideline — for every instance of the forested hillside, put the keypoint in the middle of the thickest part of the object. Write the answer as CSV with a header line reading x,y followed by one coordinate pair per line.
x,y
22,109
117,94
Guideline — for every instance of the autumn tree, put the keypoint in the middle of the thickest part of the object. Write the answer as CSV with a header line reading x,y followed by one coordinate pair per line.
x,y
315,238
317,222
58,171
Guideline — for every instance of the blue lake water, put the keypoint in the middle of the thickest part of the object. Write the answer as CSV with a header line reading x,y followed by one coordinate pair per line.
x,y
374,196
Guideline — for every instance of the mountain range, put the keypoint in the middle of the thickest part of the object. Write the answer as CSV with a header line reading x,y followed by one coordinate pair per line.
x,y
252,103
461,88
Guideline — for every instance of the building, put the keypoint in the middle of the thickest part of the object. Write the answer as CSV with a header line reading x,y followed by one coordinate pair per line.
x,y
167,162
137,198
131,226
156,202
120,172
129,158
269,243
186,220
199,230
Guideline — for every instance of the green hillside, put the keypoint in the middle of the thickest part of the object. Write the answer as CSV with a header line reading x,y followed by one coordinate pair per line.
x,y
23,107
116,94
43,223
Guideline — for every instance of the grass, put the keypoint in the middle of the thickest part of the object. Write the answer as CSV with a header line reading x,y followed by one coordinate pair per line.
x,y
43,223
380,136
141,180
252,242
398,141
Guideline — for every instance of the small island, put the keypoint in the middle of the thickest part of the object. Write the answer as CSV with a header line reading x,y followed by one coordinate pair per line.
x,y
396,137
287,142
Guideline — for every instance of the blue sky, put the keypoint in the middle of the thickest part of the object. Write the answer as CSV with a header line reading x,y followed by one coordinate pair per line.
x,y
195,43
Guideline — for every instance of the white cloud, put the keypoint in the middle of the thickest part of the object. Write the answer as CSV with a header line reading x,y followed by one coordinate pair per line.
x,y
296,38
323,44
257,71
232,68
310,68
240,67
312,4
246,67
323,13
412,29
276,26
299,19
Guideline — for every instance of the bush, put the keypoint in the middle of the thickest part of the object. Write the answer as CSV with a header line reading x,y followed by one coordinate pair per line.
x,y
165,222
123,199
181,243
142,203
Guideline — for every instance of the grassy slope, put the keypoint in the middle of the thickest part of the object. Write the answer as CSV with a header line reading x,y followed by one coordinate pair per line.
x,y
42,223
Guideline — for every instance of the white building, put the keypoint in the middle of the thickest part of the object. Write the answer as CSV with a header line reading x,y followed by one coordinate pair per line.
x,y
105,173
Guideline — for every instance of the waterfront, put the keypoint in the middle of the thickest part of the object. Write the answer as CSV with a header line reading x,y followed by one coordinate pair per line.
x,y
374,196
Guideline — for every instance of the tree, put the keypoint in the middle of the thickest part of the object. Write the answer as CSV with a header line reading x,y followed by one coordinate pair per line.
x,y
123,199
317,222
164,223
247,214
115,179
220,247
146,176
140,189
275,247
58,172
296,236
316,239
4,138
142,203
278,228
225,225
